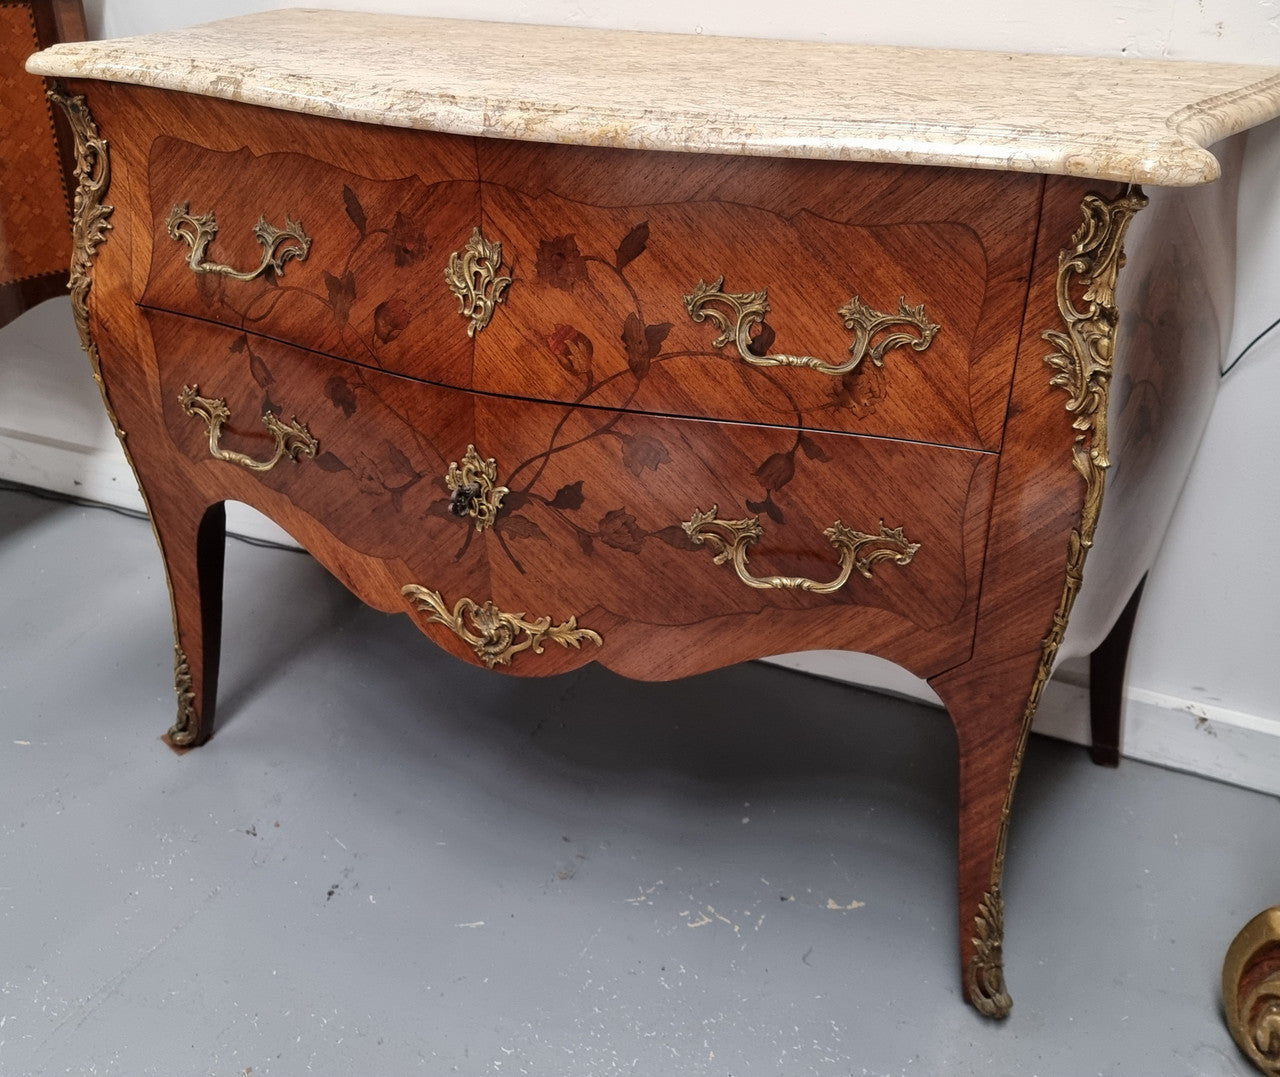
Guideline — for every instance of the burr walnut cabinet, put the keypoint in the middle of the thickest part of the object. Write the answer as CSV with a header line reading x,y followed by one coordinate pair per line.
x,y
601,347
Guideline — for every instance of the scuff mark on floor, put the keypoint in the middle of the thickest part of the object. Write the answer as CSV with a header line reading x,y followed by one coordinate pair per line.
x,y
645,897
708,916
86,1007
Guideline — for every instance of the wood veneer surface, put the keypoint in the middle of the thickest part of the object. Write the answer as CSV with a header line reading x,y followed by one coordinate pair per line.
x,y
598,493
602,246
591,525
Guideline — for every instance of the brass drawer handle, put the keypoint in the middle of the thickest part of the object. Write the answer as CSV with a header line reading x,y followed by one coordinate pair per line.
x,y
474,490
743,312
293,439
278,244
497,636
474,276
732,537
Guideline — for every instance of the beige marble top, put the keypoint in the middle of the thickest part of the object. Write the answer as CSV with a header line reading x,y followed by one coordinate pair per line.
x,y
1140,121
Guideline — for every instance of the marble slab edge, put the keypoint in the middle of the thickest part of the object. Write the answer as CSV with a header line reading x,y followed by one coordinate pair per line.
x,y
577,86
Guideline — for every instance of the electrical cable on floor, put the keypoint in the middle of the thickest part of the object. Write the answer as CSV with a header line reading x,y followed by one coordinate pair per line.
x,y
1231,365
132,514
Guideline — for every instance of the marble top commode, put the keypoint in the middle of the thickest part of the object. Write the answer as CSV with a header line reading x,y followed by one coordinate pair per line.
x,y
492,356
1128,120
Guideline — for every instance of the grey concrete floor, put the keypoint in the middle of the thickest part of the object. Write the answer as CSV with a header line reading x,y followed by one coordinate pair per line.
x,y
388,862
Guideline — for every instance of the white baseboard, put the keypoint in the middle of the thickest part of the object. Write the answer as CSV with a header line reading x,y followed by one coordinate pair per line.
x,y
1213,742
105,476
64,468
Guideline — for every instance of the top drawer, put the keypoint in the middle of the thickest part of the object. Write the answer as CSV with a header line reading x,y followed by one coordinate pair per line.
x,y
309,253
852,298
848,297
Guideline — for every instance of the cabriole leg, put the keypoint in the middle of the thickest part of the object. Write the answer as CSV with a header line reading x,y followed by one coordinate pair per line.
x,y
192,544
989,715
1106,684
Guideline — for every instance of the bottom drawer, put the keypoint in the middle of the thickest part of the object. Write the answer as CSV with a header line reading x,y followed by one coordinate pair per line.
x,y
657,546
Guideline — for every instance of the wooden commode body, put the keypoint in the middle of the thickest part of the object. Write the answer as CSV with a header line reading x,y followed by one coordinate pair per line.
x,y
585,372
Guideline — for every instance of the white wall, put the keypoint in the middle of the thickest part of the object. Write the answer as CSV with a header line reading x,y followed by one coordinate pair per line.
x,y
1239,31
1204,675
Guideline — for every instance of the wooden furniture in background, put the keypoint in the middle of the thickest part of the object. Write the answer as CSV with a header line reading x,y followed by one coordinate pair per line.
x,y
834,373
36,158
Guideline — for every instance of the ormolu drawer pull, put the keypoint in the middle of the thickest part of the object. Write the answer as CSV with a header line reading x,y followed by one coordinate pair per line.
x,y
474,275
497,636
293,439
745,311
732,537
474,490
278,244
